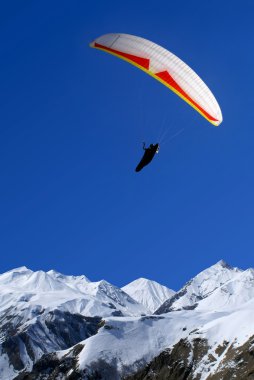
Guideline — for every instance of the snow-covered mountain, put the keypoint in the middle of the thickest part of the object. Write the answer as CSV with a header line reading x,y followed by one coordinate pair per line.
x,y
202,287
149,293
42,312
28,291
65,327
203,344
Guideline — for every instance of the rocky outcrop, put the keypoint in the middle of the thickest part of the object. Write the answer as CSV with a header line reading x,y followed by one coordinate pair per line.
x,y
53,331
50,366
237,363
177,363
186,360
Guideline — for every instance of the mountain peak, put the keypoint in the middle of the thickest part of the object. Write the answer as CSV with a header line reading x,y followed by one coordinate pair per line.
x,y
222,263
67,278
21,269
13,276
222,266
147,292
200,287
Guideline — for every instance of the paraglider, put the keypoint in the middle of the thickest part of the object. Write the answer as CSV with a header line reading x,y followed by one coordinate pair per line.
x,y
165,67
148,155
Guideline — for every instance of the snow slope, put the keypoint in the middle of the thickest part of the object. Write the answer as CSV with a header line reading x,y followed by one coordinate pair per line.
x,y
130,343
232,294
201,287
27,291
149,293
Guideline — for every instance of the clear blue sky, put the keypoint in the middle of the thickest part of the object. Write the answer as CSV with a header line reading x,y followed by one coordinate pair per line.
x,y
72,122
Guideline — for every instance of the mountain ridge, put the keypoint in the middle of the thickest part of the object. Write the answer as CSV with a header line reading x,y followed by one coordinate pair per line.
x,y
200,287
69,327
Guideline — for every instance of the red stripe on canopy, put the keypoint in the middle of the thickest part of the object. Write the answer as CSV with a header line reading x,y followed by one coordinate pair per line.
x,y
144,62
167,78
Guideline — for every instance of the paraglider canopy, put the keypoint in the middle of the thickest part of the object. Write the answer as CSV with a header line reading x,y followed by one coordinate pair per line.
x,y
164,66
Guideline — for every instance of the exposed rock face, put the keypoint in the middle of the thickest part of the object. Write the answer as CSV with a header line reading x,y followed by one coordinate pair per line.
x,y
49,366
49,332
187,360
184,360
179,363
237,363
